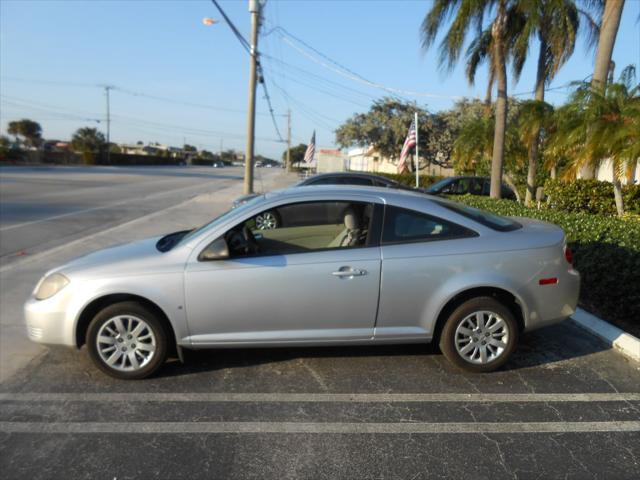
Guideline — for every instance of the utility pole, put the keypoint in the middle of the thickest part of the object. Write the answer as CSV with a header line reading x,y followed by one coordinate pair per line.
x,y
106,89
254,10
288,140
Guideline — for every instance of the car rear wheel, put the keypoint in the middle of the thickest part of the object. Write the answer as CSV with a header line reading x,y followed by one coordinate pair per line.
x,y
480,335
126,340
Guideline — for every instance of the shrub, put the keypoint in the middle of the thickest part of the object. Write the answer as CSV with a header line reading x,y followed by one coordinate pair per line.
x,y
409,179
591,196
606,253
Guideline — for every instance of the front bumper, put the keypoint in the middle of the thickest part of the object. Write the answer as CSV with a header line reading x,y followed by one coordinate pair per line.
x,y
48,322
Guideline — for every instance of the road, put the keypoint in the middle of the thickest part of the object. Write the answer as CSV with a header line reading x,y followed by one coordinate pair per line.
x,y
41,207
565,406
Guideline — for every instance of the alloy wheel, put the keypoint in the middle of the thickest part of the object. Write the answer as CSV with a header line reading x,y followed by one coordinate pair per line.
x,y
126,343
266,221
481,337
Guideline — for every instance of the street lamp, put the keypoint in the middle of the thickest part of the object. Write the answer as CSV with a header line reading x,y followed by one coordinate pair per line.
x,y
208,21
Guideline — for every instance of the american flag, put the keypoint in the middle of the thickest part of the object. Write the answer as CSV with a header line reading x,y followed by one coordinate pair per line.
x,y
409,143
311,149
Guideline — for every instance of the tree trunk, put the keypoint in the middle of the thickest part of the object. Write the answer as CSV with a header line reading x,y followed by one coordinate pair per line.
x,y
606,41
535,141
497,160
617,191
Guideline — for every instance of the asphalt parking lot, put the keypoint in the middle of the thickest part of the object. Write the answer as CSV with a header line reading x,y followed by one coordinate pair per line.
x,y
565,406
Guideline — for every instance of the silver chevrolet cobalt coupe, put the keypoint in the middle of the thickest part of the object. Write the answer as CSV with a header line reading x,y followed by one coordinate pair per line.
x,y
345,265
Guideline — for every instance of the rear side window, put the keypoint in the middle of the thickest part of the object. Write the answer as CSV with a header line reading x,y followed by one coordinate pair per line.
x,y
495,222
408,226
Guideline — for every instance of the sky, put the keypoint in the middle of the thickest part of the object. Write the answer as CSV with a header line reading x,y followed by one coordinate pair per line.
x,y
178,81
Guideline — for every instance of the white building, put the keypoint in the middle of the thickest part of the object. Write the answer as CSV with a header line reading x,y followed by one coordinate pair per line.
x,y
605,173
330,160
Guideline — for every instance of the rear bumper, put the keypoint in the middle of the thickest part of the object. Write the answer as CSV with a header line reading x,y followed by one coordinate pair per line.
x,y
549,304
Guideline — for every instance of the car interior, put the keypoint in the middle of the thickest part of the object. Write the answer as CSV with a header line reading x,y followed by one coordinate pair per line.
x,y
350,229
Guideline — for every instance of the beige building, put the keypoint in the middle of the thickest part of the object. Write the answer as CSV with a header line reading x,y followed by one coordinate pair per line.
x,y
370,160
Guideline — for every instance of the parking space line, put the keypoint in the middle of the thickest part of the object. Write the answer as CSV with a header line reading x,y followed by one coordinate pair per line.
x,y
300,427
321,397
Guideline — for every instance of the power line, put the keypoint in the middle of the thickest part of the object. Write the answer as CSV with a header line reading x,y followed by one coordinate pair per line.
x,y
266,95
52,109
345,71
234,29
307,111
327,92
321,79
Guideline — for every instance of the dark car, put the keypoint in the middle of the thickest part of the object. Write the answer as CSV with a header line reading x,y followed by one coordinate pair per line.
x,y
465,185
350,178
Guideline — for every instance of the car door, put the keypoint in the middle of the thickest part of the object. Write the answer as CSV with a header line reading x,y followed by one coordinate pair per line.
x,y
302,286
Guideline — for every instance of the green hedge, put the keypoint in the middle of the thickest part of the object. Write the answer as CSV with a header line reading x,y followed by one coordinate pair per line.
x,y
410,178
591,196
606,253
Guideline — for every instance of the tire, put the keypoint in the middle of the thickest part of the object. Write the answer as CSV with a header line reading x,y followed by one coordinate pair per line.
x,y
463,345
268,220
138,336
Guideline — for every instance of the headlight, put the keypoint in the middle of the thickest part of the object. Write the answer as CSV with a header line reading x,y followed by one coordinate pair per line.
x,y
50,285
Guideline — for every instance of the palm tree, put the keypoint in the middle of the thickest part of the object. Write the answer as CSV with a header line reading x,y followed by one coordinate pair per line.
x,y
605,126
473,147
555,23
469,15
535,116
87,140
606,40
474,144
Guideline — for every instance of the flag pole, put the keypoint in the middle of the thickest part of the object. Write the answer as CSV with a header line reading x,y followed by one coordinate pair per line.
x,y
415,119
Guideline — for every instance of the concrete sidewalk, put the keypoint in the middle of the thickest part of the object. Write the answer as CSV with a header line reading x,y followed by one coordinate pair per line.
x,y
18,279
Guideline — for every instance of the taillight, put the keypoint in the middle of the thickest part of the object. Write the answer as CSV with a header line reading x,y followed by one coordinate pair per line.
x,y
568,254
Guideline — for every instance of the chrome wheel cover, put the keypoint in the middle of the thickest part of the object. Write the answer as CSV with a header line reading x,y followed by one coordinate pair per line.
x,y
126,343
481,337
266,221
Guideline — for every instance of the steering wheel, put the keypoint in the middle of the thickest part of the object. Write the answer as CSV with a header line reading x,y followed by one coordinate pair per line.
x,y
251,243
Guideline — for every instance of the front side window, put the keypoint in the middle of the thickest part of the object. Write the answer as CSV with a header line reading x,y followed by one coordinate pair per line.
x,y
302,227
408,226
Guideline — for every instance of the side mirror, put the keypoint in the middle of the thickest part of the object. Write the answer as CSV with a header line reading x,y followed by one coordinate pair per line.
x,y
217,250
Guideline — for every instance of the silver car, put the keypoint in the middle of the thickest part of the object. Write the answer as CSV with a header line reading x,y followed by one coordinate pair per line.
x,y
369,266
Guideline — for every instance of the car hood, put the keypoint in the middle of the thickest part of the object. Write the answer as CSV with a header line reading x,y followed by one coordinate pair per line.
x,y
138,257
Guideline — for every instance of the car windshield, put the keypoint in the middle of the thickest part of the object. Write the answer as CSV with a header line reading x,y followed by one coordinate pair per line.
x,y
218,220
495,222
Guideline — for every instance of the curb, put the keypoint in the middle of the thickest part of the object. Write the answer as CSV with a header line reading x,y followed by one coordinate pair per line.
x,y
624,342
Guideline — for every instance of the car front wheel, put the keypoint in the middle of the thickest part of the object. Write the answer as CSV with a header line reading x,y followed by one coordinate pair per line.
x,y
127,341
480,335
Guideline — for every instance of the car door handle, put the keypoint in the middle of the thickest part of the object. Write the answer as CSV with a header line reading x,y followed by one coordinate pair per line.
x,y
349,272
